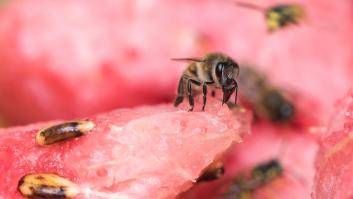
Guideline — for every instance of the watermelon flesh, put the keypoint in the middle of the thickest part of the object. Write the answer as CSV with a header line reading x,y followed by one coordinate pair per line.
x,y
146,152
334,162
294,149
53,56
120,51
74,60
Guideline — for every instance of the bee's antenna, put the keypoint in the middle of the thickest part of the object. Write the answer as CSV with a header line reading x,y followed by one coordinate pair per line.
x,y
249,6
188,59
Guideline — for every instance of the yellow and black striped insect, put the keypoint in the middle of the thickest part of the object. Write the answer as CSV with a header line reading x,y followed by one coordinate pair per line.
x,y
265,100
216,70
267,172
278,16
243,187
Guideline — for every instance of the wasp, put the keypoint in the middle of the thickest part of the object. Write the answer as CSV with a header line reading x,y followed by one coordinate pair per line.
x,y
262,174
265,100
216,70
278,16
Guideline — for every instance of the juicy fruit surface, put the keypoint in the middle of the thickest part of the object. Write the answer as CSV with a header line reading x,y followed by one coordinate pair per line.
x,y
294,149
74,58
146,152
334,162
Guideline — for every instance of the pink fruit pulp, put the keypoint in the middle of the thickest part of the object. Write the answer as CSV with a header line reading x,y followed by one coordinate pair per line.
x,y
146,152
294,149
73,58
334,163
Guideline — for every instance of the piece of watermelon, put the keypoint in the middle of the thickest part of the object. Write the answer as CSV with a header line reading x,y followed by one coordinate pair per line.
x,y
294,149
334,174
75,58
146,152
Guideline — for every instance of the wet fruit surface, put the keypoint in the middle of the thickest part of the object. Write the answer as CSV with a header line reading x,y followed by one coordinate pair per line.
x,y
73,58
295,150
68,59
147,152
334,163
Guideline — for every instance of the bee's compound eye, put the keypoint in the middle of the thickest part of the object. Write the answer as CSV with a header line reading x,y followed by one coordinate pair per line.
x,y
219,68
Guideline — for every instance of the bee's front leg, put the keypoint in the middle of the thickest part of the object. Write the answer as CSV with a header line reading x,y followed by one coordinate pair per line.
x,y
236,92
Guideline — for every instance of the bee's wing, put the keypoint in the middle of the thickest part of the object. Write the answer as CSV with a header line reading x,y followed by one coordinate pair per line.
x,y
249,6
188,59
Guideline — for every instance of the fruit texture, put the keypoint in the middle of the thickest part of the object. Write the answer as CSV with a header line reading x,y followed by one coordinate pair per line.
x,y
146,152
75,58
64,59
334,163
294,149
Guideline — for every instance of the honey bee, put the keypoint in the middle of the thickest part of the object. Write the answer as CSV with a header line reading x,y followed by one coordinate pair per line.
x,y
264,173
278,16
216,70
267,171
265,100
245,184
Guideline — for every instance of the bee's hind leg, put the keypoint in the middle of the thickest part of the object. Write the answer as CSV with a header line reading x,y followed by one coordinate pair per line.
x,y
180,96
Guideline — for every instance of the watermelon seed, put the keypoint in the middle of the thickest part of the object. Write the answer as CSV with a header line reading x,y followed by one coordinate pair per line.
x,y
214,171
46,185
64,131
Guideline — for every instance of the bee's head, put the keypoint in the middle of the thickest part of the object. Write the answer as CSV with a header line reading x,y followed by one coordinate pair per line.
x,y
225,72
